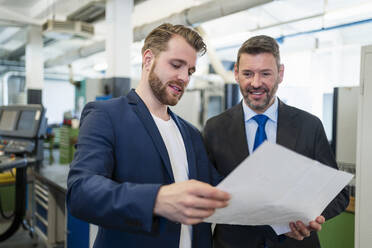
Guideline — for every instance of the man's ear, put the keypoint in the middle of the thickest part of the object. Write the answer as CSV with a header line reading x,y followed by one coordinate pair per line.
x,y
147,59
236,73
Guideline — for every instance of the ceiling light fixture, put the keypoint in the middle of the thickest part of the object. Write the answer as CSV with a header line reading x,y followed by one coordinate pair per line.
x,y
343,13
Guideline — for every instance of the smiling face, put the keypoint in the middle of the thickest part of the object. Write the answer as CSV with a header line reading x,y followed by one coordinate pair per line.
x,y
171,70
258,77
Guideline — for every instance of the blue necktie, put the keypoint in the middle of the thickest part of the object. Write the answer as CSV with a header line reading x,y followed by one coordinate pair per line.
x,y
260,133
260,136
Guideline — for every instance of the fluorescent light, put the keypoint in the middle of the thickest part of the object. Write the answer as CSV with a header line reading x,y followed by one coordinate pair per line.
x,y
100,67
343,13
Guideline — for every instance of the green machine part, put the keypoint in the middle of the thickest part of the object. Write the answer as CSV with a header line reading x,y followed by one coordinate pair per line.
x,y
68,137
338,232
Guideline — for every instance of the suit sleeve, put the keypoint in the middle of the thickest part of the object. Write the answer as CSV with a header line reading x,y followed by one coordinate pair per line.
x,y
92,194
324,154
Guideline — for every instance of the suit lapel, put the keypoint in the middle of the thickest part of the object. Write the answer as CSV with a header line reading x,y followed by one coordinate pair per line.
x,y
144,115
188,145
287,130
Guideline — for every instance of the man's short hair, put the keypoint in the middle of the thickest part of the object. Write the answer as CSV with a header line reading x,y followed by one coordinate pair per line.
x,y
260,44
157,40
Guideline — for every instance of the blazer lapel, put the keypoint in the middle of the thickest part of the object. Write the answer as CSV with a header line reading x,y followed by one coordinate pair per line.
x,y
188,145
287,130
144,115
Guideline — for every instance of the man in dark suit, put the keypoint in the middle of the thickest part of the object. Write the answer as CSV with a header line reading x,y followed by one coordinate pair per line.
x,y
231,136
140,172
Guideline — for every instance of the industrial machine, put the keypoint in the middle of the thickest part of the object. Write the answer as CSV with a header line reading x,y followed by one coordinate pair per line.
x,y
201,103
22,128
92,89
344,133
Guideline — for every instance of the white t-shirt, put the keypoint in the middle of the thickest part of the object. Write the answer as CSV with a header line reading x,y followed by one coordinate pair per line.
x,y
177,155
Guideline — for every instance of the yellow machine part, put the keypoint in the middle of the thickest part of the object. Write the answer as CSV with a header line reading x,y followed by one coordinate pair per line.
x,y
8,176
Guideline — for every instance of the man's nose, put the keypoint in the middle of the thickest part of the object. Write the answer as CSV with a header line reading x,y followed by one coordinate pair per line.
x,y
256,81
184,76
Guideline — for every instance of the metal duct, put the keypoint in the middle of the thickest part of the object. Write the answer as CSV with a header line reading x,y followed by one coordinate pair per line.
x,y
191,16
70,56
5,81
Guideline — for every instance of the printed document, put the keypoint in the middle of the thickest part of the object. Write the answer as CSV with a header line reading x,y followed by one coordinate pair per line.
x,y
275,186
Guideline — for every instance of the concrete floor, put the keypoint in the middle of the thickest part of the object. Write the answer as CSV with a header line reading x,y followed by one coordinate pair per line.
x,y
21,239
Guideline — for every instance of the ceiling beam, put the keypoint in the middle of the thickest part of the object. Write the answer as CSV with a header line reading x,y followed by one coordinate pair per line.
x,y
17,54
42,9
190,16
6,34
13,17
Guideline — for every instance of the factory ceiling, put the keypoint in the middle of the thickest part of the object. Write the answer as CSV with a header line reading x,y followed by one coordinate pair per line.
x,y
321,23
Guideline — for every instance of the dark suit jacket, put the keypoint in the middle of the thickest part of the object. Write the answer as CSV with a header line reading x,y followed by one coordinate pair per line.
x,y
120,163
226,144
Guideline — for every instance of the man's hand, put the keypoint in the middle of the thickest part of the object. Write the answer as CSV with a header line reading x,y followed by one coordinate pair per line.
x,y
189,202
299,231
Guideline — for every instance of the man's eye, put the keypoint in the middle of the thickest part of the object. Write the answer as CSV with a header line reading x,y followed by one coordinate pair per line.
x,y
248,74
176,66
266,74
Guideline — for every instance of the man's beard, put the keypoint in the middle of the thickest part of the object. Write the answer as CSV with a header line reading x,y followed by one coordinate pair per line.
x,y
269,96
160,90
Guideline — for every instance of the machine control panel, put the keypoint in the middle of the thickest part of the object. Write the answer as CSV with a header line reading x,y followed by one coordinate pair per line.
x,y
21,132
16,146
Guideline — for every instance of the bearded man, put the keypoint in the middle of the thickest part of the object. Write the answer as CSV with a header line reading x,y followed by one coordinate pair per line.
x,y
231,136
140,172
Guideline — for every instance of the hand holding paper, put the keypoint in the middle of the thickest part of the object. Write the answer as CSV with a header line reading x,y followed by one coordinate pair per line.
x,y
300,231
276,186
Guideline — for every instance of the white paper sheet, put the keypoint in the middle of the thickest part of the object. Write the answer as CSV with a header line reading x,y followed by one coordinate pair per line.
x,y
275,186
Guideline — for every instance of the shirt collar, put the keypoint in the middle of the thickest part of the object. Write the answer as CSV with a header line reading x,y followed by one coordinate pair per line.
x,y
271,112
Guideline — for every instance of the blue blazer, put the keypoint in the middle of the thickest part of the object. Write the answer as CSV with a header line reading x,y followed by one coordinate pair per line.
x,y
120,163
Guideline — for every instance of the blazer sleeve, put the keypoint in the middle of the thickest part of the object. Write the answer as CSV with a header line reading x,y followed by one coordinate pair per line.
x,y
324,154
92,194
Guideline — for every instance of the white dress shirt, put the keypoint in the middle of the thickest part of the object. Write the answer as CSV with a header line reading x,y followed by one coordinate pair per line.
x,y
251,125
178,158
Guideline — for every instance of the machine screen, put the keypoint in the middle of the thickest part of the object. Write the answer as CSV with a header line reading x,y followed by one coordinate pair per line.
x,y
8,120
27,120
